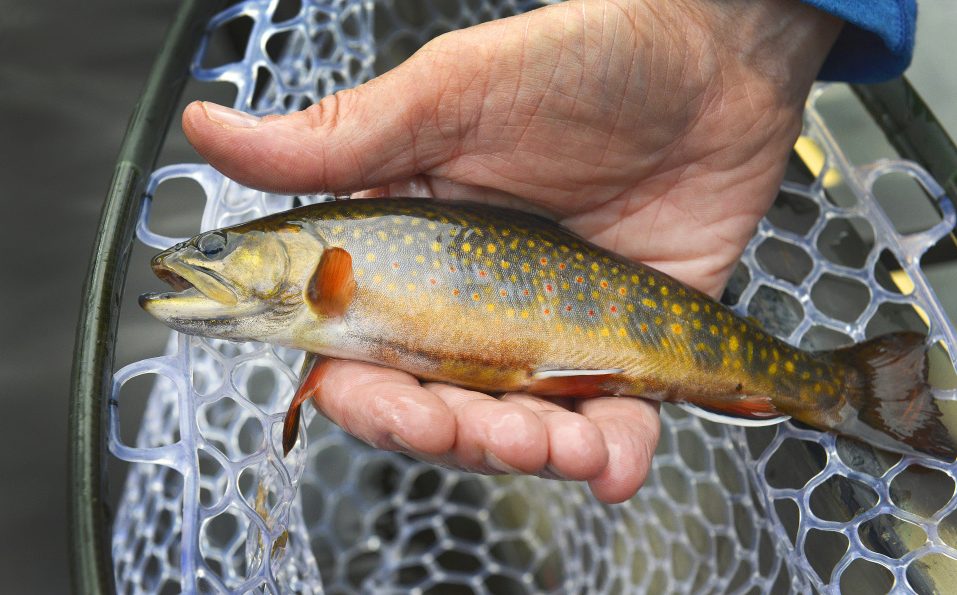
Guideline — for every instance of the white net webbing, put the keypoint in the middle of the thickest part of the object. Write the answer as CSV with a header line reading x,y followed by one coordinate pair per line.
x,y
210,505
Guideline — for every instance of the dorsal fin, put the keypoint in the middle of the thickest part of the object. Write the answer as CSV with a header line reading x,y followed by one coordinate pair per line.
x,y
333,285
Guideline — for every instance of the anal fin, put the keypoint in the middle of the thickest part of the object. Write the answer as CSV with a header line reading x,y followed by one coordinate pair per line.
x,y
731,419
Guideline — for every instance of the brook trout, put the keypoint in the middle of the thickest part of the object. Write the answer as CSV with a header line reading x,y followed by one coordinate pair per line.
x,y
499,300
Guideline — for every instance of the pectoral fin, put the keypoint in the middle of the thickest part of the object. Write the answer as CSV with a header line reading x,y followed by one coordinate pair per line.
x,y
310,379
333,284
573,383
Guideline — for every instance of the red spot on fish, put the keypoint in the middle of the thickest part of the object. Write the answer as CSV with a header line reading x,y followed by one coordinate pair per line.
x,y
591,312
525,292
543,261
456,292
614,309
549,287
547,311
433,281
568,308
561,266
502,293
579,279
483,274
604,284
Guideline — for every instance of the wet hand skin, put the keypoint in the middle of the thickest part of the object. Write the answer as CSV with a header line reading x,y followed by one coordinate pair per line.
x,y
659,130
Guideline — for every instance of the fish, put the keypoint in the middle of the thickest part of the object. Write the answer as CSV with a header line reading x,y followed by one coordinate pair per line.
x,y
499,300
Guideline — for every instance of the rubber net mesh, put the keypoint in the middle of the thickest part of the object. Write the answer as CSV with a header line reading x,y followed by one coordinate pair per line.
x,y
210,505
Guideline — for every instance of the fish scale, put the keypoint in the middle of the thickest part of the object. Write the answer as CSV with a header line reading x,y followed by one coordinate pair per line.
x,y
500,300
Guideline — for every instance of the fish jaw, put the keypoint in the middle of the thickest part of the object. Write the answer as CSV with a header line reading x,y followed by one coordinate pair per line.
x,y
200,294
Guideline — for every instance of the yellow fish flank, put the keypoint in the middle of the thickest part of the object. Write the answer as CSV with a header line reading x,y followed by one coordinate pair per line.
x,y
499,300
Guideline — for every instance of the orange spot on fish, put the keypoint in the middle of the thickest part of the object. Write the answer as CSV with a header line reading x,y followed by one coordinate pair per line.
x,y
579,279
561,266
483,274
456,292
604,284
475,297
614,309
452,268
547,311
549,288
622,291
644,327
526,292
395,265
543,261
568,308
502,292
433,281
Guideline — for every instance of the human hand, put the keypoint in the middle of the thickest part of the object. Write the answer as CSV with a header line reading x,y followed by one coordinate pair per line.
x,y
659,130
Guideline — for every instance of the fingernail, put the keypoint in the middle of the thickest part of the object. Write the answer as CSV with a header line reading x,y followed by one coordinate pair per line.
x,y
229,117
496,463
402,444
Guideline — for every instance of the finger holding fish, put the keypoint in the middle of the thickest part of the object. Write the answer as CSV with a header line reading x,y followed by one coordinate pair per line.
x,y
494,436
630,428
576,446
386,408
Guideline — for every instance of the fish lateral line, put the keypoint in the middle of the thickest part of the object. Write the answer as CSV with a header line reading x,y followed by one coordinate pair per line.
x,y
544,374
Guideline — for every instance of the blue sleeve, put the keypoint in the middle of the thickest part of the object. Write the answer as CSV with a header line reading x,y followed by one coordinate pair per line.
x,y
877,41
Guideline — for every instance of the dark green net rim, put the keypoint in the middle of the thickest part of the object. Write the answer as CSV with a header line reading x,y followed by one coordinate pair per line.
x,y
90,517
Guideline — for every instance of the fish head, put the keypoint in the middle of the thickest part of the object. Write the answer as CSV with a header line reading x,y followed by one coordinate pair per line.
x,y
237,283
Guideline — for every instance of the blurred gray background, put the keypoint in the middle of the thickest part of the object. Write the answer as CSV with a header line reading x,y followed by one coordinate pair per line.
x,y
70,74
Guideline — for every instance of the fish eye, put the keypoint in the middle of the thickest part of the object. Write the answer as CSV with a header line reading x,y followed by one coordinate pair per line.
x,y
211,244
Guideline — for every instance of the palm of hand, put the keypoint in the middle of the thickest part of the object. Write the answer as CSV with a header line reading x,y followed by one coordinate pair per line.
x,y
665,150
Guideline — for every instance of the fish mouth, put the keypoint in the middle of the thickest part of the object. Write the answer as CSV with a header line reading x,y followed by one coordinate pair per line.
x,y
198,292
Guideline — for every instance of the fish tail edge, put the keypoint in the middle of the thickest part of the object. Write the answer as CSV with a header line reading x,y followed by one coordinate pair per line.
x,y
892,396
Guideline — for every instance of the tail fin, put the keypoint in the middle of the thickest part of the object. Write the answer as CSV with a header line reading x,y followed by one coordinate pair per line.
x,y
893,402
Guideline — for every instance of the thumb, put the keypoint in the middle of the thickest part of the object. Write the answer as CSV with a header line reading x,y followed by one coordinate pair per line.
x,y
392,127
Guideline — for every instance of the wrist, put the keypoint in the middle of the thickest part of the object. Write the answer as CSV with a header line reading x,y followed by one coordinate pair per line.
x,y
785,42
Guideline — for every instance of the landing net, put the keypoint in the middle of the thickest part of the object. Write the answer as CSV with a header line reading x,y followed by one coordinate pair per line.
x,y
211,505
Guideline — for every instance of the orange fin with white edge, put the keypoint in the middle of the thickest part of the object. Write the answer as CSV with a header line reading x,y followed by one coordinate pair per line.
x,y
310,379
333,284
573,383
767,417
